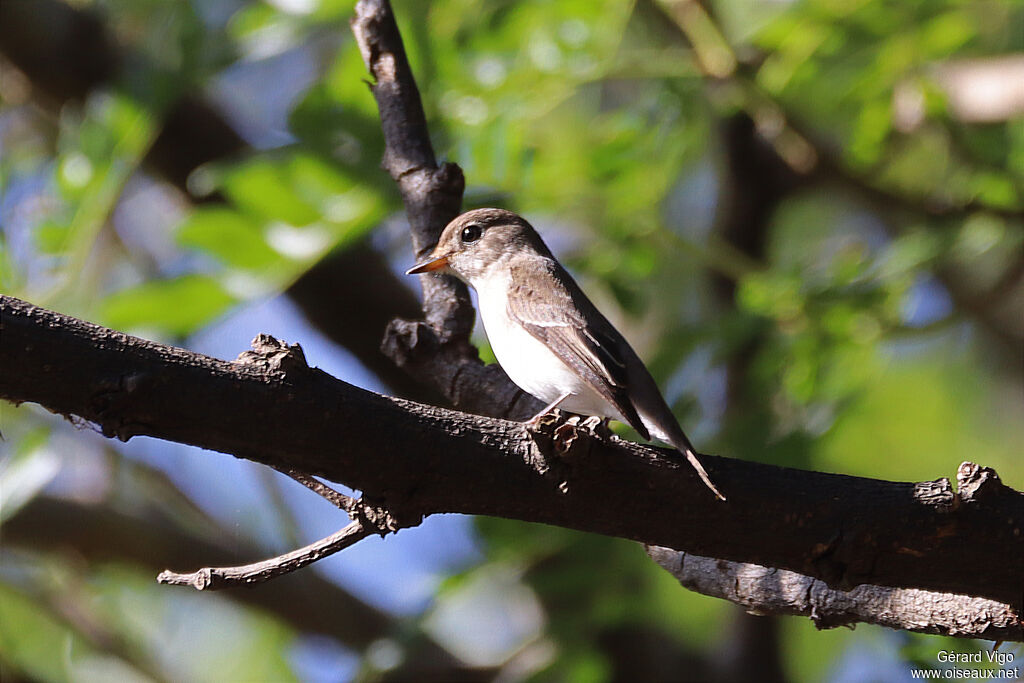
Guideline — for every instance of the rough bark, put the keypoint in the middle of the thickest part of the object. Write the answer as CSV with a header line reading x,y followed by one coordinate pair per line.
x,y
763,590
417,460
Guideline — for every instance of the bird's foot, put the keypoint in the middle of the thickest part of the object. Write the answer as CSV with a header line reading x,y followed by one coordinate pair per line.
x,y
548,411
544,417
598,426
565,429
561,432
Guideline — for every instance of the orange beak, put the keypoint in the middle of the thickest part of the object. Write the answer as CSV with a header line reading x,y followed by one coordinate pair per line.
x,y
428,266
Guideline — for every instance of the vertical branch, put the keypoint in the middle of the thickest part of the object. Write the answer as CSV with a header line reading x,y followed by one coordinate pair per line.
x,y
432,194
437,351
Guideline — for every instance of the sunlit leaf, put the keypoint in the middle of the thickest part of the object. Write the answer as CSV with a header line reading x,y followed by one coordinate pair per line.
x,y
236,239
51,237
262,188
25,474
178,306
31,637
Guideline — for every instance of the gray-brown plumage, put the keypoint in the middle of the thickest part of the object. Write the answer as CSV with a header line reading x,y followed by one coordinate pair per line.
x,y
546,334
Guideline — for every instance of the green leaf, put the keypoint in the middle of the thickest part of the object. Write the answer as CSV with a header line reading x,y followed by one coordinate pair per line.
x,y
340,198
51,236
870,133
27,473
771,294
261,187
179,306
250,20
235,239
947,32
996,189
38,645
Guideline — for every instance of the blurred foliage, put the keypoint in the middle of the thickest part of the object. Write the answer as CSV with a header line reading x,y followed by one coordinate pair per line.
x,y
109,624
867,335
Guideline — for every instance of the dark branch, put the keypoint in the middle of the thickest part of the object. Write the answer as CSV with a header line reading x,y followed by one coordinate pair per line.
x,y
436,351
432,193
416,460
763,590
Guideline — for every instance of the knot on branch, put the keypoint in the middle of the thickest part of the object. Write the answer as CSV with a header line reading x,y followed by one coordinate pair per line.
x,y
439,188
382,520
561,444
446,185
273,355
111,404
408,342
569,438
975,483
938,494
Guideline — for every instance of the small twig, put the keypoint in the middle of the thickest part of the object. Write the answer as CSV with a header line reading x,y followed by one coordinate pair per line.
x,y
367,520
335,498
216,578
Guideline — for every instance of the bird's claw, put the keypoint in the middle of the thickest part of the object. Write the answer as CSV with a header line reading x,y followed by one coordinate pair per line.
x,y
598,426
542,418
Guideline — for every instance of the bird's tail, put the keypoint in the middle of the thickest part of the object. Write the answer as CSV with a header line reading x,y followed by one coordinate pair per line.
x,y
691,455
678,439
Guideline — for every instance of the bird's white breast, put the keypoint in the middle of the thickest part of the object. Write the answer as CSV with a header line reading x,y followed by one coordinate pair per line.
x,y
528,361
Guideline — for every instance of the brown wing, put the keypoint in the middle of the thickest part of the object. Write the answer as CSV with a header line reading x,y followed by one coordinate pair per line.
x,y
549,312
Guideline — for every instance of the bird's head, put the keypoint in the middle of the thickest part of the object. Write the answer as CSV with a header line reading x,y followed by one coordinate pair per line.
x,y
478,240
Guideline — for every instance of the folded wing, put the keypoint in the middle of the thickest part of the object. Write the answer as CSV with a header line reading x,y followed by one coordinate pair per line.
x,y
593,351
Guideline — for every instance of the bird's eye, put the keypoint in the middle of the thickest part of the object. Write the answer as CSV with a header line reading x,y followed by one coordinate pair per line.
x,y
471,233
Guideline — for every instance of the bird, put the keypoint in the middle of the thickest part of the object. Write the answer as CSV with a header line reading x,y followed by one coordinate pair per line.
x,y
546,334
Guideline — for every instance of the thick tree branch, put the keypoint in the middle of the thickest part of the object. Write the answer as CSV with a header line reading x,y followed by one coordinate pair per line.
x,y
763,590
417,460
